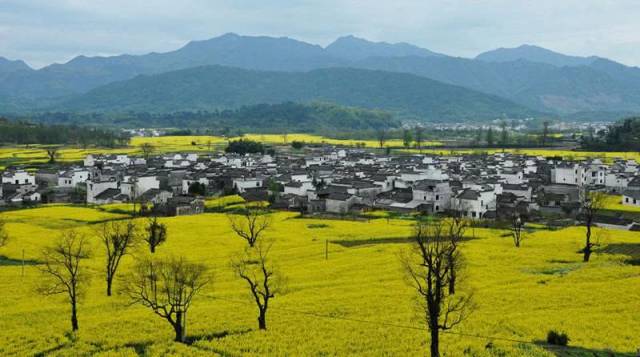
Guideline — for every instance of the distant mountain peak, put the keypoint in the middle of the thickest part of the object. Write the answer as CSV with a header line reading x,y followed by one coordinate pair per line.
x,y
7,65
355,48
533,53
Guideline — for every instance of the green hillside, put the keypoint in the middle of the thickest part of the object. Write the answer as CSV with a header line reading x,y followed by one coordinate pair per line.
x,y
216,87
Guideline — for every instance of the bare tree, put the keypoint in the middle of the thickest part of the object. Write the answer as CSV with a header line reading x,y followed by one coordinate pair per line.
x,y
167,287
53,154
250,224
147,150
517,229
590,203
263,278
428,268
4,235
118,238
381,134
63,272
156,233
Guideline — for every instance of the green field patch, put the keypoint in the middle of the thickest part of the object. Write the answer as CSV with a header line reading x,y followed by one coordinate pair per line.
x,y
631,250
351,243
6,261
560,268
317,225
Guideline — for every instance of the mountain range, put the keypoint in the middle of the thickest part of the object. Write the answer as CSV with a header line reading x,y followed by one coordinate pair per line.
x,y
522,81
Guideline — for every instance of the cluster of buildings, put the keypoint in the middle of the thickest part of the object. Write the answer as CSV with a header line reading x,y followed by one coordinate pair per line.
x,y
332,180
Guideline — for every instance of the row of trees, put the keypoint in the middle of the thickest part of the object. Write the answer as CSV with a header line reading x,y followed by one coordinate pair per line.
x,y
25,133
165,285
620,136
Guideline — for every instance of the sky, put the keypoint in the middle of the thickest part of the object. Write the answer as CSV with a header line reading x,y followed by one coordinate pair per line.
x,y
42,32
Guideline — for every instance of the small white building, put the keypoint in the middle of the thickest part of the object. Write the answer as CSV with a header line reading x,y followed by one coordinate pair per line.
x,y
241,184
19,177
631,198
72,178
96,188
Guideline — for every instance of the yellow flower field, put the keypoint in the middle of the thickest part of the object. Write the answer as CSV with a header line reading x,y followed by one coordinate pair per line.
x,y
614,203
354,303
37,154
167,144
607,157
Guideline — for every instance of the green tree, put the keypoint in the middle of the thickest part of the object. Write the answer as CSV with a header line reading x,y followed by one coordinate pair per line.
x,y
407,138
490,140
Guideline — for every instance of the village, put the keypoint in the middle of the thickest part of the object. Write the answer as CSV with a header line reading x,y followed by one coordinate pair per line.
x,y
333,181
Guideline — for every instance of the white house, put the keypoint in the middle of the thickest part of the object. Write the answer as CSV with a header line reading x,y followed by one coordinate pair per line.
x,y
435,192
72,178
97,187
19,177
339,202
475,204
569,174
243,183
298,188
631,198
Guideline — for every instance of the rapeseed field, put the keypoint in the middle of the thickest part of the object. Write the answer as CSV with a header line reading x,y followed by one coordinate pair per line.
x,y
356,302
37,154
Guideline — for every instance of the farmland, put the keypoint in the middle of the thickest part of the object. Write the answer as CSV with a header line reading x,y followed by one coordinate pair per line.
x,y
356,302
37,154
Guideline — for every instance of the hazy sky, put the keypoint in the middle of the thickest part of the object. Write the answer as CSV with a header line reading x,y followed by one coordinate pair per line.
x,y
46,31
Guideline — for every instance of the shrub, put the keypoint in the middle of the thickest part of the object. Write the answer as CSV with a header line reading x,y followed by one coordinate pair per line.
x,y
243,146
297,144
557,338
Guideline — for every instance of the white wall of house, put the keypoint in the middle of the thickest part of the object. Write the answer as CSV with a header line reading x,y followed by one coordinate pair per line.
x,y
338,206
76,177
299,191
440,197
630,201
242,184
616,181
96,188
19,178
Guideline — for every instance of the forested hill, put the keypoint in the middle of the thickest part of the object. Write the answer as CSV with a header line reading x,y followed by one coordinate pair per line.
x,y
264,118
217,87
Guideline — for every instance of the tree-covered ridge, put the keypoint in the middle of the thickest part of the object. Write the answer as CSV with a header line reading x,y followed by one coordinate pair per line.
x,y
29,133
215,87
265,118
621,136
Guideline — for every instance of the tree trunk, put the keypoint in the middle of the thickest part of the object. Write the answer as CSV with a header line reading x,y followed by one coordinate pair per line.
x,y
262,320
109,282
74,316
435,342
587,247
178,326
153,248
452,280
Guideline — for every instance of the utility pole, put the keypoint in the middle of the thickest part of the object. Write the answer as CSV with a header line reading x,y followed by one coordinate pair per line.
x,y
326,249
